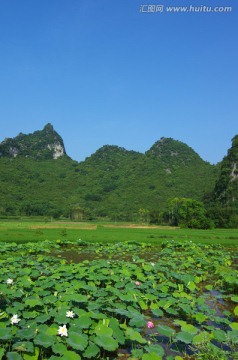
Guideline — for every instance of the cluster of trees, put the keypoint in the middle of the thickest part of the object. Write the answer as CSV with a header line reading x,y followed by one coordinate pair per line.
x,y
182,212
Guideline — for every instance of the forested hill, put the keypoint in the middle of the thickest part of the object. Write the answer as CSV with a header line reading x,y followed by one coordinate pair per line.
x,y
41,145
113,182
224,198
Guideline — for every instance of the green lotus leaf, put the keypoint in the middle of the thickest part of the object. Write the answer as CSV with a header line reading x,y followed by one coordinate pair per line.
x,y
151,356
117,332
157,349
25,346
3,315
157,312
43,318
77,341
137,353
96,314
236,310
17,294
143,305
172,311
147,267
30,314
165,330
61,318
135,336
233,335
209,287
138,321
79,298
101,329
71,355
13,356
234,298
27,333
51,299
106,342
81,312
25,282
44,340
91,351
5,333
52,330
33,302
200,317
2,351
234,325
203,337
127,297
220,335
185,337
83,322
59,348
191,286
189,328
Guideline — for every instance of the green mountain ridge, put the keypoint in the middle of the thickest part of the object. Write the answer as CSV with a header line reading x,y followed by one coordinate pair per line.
x,y
112,183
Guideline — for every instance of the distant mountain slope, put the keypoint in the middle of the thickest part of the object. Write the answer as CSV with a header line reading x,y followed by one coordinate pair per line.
x,y
113,182
226,188
43,144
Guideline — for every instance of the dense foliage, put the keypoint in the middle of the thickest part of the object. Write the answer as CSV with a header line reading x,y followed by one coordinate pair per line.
x,y
179,301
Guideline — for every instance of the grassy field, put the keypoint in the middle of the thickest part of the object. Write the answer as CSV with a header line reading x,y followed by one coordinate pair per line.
x,y
34,231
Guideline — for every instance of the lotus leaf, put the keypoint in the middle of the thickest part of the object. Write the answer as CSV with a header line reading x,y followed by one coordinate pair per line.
x,y
106,342
5,334
2,351
135,336
165,330
185,337
77,341
13,356
70,355
59,348
157,349
44,340
26,346
91,351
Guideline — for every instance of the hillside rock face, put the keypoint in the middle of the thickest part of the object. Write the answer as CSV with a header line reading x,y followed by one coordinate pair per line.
x,y
42,144
226,188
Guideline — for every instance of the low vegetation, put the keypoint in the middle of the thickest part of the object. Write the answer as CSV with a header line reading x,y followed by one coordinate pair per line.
x,y
123,300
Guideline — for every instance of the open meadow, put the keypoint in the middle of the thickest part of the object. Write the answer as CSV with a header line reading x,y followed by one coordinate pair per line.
x,y
106,291
34,231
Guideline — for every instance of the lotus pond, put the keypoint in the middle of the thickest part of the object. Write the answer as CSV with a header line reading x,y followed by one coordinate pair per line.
x,y
77,300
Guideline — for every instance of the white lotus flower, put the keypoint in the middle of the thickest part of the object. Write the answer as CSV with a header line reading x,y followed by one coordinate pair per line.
x,y
15,319
70,314
9,281
152,264
62,331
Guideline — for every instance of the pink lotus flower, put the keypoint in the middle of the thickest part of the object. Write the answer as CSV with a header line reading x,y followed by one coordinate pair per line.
x,y
150,325
137,283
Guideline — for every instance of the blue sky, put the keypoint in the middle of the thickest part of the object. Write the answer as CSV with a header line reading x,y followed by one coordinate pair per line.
x,y
102,72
